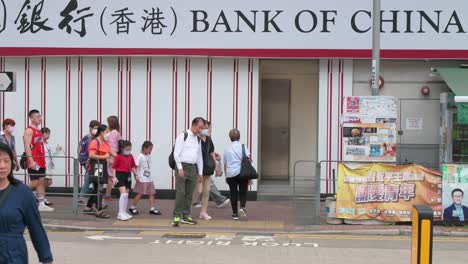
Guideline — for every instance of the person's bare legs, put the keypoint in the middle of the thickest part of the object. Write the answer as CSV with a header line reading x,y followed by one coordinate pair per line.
x,y
109,188
197,192
33,184
40,190
137,199
206,185
110,184
152,201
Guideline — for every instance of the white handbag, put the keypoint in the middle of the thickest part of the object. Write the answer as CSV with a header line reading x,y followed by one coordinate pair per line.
x,y
219,168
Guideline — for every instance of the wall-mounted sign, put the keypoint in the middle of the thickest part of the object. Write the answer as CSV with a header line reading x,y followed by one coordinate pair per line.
x,y
414,123
7,83
222,27
369,129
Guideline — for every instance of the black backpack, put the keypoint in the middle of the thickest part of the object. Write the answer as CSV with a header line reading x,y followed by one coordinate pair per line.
x,y
172,162
24,159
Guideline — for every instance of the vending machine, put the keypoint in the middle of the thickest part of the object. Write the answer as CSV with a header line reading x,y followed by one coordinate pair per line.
x,y
453,130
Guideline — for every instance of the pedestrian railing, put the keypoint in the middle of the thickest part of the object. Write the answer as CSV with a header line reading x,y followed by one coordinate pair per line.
x,y
67,169
306,191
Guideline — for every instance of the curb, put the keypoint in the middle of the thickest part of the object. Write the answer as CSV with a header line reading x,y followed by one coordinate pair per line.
x,y
382,232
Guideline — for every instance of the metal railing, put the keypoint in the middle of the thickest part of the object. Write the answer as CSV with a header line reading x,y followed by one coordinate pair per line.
x,y
307,178
70,167
314,196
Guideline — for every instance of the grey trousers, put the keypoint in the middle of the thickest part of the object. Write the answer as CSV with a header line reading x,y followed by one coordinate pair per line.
x,y
215,195
184,190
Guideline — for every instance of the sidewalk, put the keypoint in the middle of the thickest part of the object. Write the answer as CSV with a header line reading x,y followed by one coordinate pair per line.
x,y
264,218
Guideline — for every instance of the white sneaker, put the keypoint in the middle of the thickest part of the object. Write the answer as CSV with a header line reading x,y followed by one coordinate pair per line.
x,y
122,217
46,208
242,213
224,204
128,215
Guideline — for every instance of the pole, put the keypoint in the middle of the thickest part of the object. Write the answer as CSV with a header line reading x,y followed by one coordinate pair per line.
x,y
76,175
422,234
375,48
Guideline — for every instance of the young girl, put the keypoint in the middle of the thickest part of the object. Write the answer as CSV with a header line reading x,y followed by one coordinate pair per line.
x,y
50,153
123,166
144,183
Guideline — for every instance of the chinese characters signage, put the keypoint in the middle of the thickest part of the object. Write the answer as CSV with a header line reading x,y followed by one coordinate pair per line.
x,y
369,129
387,192
455,192
266,25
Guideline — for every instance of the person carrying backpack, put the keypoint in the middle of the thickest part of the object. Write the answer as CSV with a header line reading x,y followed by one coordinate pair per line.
x,y
83,154
188,158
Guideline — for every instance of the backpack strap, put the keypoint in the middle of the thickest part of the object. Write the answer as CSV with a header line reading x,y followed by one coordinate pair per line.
x,y
186,136
98,144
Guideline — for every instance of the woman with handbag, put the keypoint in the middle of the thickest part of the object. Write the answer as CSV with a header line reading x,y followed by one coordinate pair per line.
x,y
99,153
209,168
238,184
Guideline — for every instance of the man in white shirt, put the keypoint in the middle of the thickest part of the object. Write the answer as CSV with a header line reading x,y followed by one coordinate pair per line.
x,y
189,161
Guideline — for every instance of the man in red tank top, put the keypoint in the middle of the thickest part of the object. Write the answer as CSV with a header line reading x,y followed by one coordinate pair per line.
x,y
36,163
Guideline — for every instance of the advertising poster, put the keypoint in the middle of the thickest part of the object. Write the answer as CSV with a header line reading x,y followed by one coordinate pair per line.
x,y
387,192
369,129
455,188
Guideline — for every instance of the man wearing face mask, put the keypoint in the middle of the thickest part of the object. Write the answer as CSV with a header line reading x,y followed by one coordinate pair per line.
x,y
6,137
84,156
189,161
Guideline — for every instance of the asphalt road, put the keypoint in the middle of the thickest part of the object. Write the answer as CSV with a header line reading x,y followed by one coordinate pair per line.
x,y
227,248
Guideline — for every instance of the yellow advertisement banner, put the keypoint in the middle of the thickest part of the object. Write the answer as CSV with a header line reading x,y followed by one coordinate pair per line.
x,y
387,192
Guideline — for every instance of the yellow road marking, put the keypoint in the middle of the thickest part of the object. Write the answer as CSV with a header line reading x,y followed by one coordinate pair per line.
x,y
211,224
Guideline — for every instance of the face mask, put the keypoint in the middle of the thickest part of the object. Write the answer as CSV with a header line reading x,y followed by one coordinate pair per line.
x,y
204,132
10,129
94,131
127,152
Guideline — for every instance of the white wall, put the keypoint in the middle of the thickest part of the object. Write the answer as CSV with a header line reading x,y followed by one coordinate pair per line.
x,y
68,92
336,82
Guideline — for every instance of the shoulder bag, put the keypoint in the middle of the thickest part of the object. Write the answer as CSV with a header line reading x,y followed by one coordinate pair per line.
x,y
98,169
209,165
247,170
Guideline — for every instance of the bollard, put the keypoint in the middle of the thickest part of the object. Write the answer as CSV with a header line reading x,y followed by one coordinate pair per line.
x,y
76,175
421,238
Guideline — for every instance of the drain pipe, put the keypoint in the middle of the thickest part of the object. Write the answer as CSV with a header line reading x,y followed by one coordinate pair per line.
x,y
376,48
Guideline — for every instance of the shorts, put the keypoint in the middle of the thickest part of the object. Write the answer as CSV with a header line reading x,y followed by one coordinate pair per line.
x,y
36,174
146,188
124,179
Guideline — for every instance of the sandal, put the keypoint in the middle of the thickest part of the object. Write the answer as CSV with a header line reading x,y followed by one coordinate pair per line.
x,y
155,212
102,214
133,211
89,211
